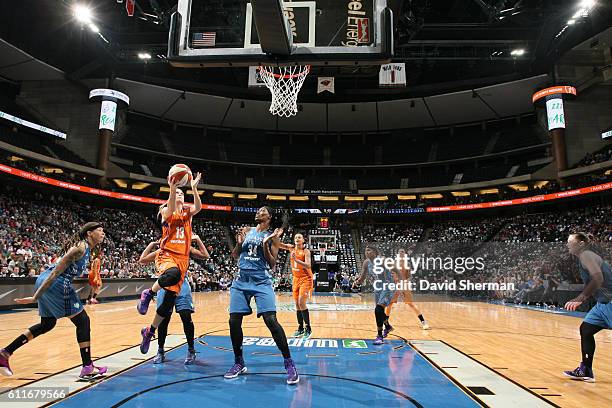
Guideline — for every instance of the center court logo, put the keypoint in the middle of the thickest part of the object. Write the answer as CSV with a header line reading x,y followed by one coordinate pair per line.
x,y
361,344
306,343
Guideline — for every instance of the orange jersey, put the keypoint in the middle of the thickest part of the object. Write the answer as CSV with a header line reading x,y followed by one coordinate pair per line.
x,y
298,270
176,234
403,273
94,273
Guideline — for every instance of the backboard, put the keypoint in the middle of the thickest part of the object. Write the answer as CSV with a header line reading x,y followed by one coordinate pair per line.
x,y
324,32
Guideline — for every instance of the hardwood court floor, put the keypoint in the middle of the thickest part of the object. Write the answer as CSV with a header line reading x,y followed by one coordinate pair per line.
x,y
529,347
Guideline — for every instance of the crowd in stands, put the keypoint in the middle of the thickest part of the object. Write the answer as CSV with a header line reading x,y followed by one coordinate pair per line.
x,y
34,227
465,230
526,250
599,156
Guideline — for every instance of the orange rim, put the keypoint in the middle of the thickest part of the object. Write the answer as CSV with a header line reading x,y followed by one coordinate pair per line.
x,y
285,76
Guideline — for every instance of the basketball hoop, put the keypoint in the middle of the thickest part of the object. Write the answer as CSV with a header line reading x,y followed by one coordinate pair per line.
x,y
322,254
284,84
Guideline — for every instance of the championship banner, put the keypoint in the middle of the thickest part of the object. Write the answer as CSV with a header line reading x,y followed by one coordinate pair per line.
x,y
325,84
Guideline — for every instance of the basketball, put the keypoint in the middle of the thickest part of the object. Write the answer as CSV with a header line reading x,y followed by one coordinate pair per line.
x,y
180,173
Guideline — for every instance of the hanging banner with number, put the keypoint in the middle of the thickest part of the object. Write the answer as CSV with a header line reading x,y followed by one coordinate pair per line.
x,y
556,116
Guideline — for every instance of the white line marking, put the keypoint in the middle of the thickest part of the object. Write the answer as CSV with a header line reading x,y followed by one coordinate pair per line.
x,y
115,363
470,373
7,293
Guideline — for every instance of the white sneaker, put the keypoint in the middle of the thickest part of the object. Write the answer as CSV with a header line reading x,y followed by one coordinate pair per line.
x,y
425,326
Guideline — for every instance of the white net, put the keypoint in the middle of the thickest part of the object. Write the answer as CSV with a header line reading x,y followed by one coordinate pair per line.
x,y
284,84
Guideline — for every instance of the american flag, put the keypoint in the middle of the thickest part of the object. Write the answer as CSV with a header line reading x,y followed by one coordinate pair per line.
x,y
204,39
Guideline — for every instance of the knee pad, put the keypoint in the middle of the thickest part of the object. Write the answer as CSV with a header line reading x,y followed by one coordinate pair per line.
x,y
170,277
165,309
270,319
46,325
83,328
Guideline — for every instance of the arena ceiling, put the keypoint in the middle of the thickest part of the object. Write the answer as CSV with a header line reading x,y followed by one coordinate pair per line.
x,y
447,45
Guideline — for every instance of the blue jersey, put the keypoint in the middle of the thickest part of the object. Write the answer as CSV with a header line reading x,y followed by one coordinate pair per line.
x,y
604,293
61,300
252,255
74,270
379,272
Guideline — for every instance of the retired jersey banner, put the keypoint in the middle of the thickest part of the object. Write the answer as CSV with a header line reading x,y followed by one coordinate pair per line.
x,y
393,74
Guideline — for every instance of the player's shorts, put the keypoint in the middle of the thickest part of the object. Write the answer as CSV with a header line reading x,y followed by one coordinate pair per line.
x,y
166,260
402,295
184,300
302,287
383,297
60,300
249,284
600,315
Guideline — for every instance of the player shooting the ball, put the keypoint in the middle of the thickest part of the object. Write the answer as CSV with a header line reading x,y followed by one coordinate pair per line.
x,y
172,260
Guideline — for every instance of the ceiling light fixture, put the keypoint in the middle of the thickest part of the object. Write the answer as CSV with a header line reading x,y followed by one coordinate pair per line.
x,y
82,14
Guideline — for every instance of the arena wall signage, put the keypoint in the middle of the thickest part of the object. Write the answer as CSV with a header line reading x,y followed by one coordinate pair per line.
x,y
32,125
149,200
526,200
403,211
326,192
96,191
555,90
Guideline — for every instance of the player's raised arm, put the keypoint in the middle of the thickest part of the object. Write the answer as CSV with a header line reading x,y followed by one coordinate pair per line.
x,y
271,250
197,201
170,208
200,252
240,236
364,273
148,255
